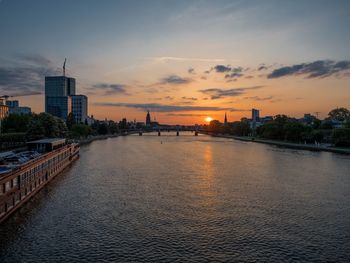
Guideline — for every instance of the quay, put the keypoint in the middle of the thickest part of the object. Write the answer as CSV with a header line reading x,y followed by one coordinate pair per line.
x,y
291,145
23,174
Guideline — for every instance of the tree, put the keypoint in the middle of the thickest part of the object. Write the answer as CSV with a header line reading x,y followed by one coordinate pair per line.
x,y
240,128
341,137
293,131
339,114
316,124
102,128
45,125
215,126
80,130
113,127
271,130
70,120
16,123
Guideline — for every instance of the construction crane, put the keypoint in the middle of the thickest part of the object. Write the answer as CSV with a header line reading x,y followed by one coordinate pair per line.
x,y
5,97
64,67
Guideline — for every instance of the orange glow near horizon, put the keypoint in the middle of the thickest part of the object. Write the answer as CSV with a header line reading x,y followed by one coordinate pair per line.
x,y
208,119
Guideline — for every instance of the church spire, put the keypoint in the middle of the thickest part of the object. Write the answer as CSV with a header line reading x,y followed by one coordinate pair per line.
x,y
148,119
225,121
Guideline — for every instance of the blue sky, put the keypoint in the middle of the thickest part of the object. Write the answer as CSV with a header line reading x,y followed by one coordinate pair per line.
x,y
135,44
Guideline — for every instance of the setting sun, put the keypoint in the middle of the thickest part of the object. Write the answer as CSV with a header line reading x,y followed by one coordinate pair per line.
x,y
208,119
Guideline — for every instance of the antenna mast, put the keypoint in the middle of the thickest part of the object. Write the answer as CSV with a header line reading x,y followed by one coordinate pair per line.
x,y
64,67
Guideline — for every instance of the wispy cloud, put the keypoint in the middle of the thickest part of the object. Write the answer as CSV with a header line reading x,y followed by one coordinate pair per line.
x,y
189,98
191,71
316,69
111,89
186,115
175,80
184,59
164,108
257,98
216,93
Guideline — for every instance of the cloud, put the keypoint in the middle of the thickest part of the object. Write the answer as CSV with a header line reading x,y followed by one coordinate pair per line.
x,y
186,115
216,93
175,80
222,68
111,89
316,69
262,67
155,107
257,98
191,71
183,59
26,75
189,98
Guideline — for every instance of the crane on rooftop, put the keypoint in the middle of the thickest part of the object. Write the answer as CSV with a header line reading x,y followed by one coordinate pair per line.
x,y
64,67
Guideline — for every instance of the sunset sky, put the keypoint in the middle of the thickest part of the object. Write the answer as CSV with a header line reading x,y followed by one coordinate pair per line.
x,y
182,60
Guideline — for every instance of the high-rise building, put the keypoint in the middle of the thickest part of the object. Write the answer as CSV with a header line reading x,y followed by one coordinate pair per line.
x,y
255,115
59,106
59,86
58,92
80,108
148,119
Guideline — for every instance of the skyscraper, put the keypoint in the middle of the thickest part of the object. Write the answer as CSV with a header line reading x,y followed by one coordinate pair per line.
x,y
80,108
255,115
255,118
148,119
58,90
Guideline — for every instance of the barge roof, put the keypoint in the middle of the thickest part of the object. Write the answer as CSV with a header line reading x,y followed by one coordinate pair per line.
x,y
48,141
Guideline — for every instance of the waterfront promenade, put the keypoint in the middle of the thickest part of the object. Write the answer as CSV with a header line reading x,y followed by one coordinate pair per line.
x,y
311,147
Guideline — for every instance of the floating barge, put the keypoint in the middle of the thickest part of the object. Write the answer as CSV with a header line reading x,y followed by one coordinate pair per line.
x,y
23,174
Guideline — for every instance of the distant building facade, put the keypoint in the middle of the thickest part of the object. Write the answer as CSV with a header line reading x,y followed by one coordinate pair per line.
x,y
12,103
80,108
14,108
4,111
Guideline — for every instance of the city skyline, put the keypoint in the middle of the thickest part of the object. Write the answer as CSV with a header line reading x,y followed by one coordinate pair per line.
x,y
185,60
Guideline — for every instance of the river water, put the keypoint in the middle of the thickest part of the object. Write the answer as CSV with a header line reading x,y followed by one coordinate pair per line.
x,y
187,199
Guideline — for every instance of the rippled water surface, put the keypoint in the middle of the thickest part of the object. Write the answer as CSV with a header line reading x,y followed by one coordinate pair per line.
x,y
187,199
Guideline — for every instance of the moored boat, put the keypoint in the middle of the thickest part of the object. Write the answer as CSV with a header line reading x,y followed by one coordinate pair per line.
x,y
23,174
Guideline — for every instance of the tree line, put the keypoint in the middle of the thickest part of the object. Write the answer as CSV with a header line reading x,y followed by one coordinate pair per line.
x,y
284,128
17,128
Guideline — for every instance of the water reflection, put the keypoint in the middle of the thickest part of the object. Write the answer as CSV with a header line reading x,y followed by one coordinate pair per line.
x,y
198,199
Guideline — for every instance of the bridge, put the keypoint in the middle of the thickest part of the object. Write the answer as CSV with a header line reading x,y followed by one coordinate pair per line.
x,y
160,130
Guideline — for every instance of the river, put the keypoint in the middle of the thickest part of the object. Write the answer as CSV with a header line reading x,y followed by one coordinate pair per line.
x,y
187,199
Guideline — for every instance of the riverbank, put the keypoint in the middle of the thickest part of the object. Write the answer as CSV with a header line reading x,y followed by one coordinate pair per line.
x,y
310,147
101,137
95,138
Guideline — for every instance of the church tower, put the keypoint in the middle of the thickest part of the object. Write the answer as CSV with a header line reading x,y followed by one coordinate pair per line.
x,y
225,121
148,119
